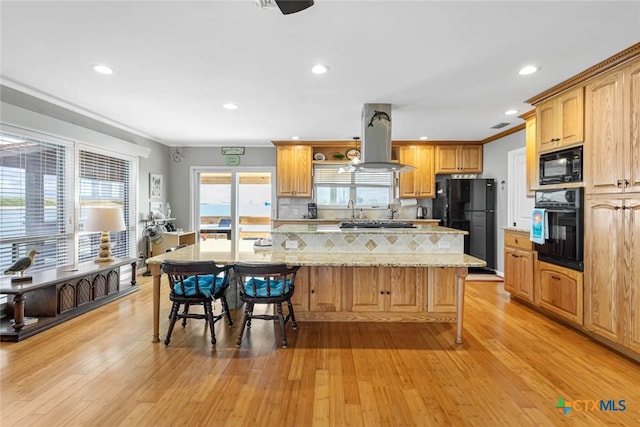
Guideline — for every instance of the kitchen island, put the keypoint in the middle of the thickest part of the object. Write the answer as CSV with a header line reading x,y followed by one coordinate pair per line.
x,y
399,275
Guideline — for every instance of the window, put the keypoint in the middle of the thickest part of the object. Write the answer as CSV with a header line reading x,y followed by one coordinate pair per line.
x,y
37,194
105,181
35,208
366,189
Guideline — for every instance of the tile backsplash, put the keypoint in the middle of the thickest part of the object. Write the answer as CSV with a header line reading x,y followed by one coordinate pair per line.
x,y
296,208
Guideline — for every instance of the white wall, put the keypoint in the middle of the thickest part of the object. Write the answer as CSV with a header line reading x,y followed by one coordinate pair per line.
x,y
495,165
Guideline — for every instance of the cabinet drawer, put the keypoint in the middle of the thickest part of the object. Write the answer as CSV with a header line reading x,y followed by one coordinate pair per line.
x,y
561,291
518,239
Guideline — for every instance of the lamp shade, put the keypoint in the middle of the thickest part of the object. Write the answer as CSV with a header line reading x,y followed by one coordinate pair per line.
x,y
104,219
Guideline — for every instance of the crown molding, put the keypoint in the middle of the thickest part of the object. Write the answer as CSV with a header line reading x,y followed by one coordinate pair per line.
x,y
619,58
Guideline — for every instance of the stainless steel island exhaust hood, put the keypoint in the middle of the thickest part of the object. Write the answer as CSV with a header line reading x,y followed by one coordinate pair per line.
x,y
375,150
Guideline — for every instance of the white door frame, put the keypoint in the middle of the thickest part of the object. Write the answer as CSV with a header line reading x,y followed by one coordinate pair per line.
x,y
234,171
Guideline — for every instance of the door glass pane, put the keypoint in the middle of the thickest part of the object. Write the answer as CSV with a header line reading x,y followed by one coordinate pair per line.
x,y
254,204
215,205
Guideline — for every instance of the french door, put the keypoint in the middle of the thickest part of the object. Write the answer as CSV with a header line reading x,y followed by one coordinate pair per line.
x,y
232,203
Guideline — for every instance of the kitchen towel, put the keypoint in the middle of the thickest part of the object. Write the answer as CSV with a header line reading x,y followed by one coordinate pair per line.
x,y
539,226
408,202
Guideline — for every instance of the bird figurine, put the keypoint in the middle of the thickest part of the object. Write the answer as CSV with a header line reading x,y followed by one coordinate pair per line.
x,y
21,265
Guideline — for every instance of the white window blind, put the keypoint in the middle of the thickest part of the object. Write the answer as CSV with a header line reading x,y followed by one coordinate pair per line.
x,y
366,189
105,181
35,208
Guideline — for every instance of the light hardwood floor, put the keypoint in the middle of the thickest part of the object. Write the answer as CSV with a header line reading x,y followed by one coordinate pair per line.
x,y
102,369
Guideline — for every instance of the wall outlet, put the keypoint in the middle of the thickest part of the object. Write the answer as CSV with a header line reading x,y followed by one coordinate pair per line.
x,y
296,212
291,244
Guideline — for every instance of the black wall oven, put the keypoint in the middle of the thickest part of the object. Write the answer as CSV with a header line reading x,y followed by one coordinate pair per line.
x,y
565,213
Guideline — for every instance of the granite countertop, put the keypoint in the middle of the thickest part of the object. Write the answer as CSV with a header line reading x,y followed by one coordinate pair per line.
x,y
520,229
333,228
324,220
224,252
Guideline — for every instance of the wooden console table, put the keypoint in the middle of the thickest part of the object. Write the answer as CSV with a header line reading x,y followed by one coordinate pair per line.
x,y
57,295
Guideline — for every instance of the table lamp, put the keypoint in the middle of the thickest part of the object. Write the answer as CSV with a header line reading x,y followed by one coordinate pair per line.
x,y
104,220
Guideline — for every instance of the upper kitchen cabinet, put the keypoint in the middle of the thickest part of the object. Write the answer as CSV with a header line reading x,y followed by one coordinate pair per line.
x,y
612,151
420,182
466,158
293,170
560,121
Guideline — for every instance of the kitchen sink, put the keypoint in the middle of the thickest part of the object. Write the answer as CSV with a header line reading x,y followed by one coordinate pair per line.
x,y
376,224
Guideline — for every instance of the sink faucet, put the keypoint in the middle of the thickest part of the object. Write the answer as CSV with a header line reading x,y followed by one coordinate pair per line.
x,y
351,205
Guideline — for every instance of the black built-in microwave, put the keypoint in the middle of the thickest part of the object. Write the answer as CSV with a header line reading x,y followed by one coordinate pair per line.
x,y
560,167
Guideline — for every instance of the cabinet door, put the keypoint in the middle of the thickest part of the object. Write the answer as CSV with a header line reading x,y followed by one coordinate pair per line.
x,y
441,294
366,291
510,269
300,298
447,159
325,289
603,149
425,175
293,170
303,172
532,157
604,257
632,127
570,120
631,294
407,182
406,289
524,278
470,158
546,125
561,291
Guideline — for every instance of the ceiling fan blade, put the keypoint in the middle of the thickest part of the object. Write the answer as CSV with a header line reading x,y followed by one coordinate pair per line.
x,y
292,6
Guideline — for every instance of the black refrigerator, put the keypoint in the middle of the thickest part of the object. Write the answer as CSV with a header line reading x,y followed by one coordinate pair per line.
x,y
469,204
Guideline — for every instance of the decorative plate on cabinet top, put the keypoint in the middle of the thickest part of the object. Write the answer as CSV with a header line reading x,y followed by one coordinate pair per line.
x,y
319,156
353,153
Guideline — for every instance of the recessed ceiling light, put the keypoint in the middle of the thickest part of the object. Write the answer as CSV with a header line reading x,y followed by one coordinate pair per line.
x,y
295,137
511,112
230,106
424,138
529,69
102,69
319,69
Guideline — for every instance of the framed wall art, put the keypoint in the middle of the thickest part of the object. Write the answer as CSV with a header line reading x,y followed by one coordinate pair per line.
x,y
155,186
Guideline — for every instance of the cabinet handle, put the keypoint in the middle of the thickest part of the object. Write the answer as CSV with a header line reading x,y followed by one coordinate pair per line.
x,y
514,255
616,207
381,292
626,183
555,277
619,183
312,291
516,240
388,292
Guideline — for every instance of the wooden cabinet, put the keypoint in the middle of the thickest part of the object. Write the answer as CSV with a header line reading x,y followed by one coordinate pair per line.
x,y
612,149
612,269
294,170
560,291
519,259
532,155
325,289
171,239
420,182
441,290
300,298
385,289
458,158
560,121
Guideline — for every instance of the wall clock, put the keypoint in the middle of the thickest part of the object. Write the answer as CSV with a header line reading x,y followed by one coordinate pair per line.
x,y
353,153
